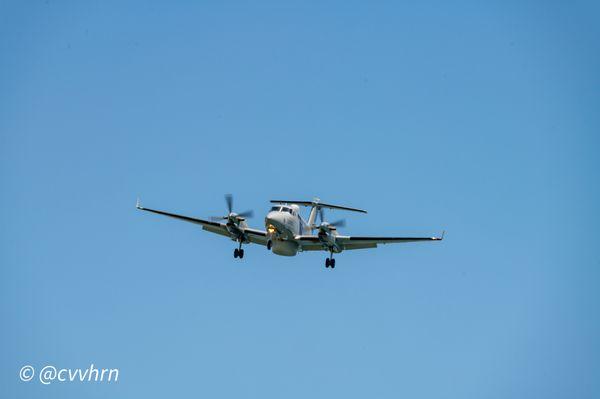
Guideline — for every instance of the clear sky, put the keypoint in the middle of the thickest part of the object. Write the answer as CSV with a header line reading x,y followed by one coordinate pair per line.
x,y
481,120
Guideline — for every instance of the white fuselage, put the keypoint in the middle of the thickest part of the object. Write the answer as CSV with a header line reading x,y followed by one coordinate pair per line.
x,y
283,223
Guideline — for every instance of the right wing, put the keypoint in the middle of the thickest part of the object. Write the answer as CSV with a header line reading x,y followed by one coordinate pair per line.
x,y
252,235
256,236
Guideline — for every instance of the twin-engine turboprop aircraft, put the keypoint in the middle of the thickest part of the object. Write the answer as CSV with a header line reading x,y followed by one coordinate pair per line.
x,y
287,233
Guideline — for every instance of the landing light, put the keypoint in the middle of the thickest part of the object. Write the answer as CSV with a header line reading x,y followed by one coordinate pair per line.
x,y
271,229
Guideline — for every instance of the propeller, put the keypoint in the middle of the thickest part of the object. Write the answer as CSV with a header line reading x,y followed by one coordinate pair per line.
x,y
337,223
229,201
232,216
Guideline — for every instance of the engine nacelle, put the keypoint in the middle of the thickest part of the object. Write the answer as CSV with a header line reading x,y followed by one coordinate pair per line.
x,y
284,248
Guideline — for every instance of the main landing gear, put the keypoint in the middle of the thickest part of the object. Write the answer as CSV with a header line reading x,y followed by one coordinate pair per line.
x,y
330,262
238,252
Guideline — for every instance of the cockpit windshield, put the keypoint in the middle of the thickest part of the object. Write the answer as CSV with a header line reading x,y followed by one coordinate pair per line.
x,y
282,209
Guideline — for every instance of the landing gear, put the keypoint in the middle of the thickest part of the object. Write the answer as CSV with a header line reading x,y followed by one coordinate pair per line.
x,y
269,244
238,252
330,262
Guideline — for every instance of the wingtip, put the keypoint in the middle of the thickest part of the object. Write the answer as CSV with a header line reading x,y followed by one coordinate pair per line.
x,y
138,204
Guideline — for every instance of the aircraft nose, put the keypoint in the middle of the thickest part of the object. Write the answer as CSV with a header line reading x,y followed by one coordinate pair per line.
x,y
274,220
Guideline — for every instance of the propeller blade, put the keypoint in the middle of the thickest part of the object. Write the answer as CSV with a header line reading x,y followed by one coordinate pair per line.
x,y
229,201
247,214
339,223
321,215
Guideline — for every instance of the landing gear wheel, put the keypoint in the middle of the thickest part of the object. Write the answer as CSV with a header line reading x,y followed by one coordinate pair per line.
x,y
269,244
332,263
327,262
241,253
236,253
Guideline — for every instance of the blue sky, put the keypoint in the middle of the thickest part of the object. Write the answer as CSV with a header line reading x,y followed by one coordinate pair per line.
x,y
480,119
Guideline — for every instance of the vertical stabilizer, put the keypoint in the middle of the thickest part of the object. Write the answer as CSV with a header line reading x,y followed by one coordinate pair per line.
x,y
312,216
315,205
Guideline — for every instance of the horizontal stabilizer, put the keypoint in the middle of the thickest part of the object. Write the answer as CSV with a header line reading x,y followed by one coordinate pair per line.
x,y
318,204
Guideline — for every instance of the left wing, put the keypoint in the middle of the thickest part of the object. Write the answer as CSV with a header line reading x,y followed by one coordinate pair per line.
x,y
360,242
312,243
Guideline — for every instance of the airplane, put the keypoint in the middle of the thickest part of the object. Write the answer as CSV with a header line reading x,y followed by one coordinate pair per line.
x,y
287,233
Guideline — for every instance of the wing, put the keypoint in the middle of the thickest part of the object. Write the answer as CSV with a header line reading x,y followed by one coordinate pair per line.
x,y
251,235
256,236
360,242
309,243
312,243
213,227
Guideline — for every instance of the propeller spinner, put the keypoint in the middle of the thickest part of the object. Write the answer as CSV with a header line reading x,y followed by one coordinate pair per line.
x,y
232,216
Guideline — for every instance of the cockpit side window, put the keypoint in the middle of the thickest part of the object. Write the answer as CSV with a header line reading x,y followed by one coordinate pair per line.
x,y
275,208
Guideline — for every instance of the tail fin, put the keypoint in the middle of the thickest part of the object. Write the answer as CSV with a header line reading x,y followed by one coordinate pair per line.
x,y
315,204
